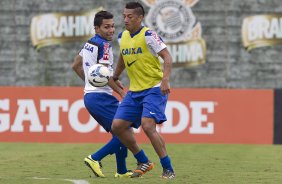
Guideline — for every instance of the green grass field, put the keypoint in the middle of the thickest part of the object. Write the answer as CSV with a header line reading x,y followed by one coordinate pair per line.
x,y
194,163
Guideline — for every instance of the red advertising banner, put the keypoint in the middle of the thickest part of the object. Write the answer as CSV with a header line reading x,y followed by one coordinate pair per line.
x,y
57,114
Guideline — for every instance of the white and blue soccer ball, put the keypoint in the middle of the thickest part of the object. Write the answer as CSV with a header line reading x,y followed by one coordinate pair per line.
x,y
98,75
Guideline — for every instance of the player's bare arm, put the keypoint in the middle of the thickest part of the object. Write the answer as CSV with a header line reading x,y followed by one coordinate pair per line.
x,y
119,69
165,55
116,88
77,67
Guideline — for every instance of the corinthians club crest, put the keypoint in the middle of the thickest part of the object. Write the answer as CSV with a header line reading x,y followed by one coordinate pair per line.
x,y
175,22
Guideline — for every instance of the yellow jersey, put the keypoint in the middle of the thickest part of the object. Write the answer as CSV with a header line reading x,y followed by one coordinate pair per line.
x,y
143,68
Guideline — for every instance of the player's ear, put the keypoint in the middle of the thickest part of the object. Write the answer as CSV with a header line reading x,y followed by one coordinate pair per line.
x,y
141,17
96,28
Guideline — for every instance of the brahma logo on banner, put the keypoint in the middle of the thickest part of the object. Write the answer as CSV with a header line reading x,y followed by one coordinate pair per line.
x,y
175,22
57,114
262,30
55,28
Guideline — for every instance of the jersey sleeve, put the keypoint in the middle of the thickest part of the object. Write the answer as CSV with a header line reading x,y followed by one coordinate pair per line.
x,y
81,53
154,42
119,37
89,53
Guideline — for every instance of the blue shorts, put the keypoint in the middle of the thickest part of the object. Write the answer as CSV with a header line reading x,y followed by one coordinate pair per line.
x,y
149,103
102,108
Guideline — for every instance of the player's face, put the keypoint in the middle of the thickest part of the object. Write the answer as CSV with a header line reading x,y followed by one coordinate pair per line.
x,y
132,21
107,29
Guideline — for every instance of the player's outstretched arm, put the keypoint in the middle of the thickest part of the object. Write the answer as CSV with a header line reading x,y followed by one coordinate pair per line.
x,y
114,82
116,88
119,69
77,67
165,55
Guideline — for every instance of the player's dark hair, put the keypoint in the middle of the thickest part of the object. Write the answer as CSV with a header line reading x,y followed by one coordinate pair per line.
x,y
100,16
137,6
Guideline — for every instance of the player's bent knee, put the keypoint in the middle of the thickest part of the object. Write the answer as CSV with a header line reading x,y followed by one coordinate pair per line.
x,y
114,128
149,131
118,126
149,128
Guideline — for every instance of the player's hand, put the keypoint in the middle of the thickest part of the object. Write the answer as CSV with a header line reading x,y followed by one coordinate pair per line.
x,y
122,94
165,87
119,84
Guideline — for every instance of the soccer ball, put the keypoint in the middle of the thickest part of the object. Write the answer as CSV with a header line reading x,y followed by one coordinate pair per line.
x,y
98,75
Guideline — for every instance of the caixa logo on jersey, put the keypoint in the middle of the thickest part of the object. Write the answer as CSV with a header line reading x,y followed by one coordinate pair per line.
x,y
56,28
175,22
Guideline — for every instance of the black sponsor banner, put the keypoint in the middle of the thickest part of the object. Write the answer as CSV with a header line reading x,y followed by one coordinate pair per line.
x,y
277,139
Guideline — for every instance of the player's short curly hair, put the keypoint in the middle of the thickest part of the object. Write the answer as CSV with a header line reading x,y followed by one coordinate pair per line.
x,y
100,16
137,6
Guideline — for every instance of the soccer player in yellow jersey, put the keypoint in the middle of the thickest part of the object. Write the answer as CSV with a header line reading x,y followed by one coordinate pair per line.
x,y
144,104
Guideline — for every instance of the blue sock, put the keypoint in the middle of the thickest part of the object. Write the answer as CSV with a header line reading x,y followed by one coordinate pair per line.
x,y
111,147
166,163
120,159
141,157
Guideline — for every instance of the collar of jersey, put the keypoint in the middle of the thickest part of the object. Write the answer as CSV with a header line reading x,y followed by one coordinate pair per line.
x,y
101,37
138,31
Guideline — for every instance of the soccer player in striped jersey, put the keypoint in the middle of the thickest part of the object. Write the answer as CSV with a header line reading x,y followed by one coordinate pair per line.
x,y
99,101
144,104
